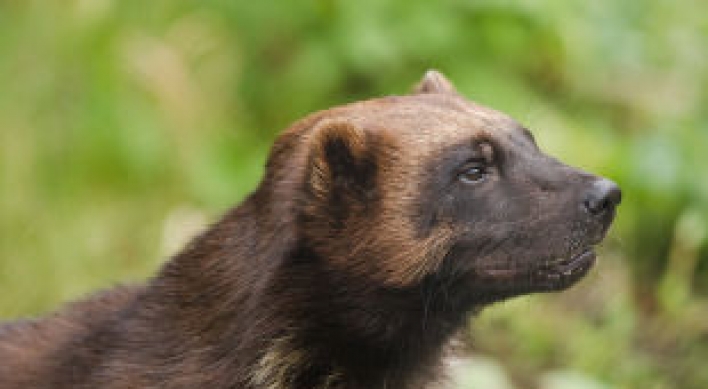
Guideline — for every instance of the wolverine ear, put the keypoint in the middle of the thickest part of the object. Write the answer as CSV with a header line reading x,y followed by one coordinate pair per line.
x,y
434,82
341,163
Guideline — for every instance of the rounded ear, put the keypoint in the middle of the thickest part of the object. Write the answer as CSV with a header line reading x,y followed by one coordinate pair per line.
x,y
341,163
434,82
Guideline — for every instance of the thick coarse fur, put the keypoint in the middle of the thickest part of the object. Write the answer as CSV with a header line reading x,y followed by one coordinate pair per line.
x,y
379,227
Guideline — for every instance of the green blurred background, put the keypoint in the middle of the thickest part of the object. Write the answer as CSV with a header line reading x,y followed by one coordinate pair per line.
x,y
126,126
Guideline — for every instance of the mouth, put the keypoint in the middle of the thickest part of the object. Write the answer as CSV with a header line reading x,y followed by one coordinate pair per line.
x,y
542,276
560,274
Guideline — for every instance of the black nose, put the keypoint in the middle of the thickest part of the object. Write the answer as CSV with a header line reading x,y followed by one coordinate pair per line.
x,y
603,196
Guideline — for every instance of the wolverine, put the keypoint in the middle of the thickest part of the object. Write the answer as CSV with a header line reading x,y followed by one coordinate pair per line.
x,y
378,229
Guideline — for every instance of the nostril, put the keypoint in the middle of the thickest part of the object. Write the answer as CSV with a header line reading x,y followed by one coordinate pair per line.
x,y
592,206
603,196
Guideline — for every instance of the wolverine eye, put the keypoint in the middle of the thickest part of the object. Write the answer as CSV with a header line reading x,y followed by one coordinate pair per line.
x,y
473,174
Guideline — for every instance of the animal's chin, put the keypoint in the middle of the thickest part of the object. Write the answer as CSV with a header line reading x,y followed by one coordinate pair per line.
x,y
541,276
561,274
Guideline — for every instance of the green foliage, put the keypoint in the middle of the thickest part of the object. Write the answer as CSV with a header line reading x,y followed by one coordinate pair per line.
x,y
124,123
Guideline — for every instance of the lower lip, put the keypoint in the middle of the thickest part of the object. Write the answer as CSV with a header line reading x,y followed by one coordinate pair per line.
x,y
570,270
576,262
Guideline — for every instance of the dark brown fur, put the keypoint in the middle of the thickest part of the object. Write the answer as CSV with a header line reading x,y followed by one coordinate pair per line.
x,y
352,265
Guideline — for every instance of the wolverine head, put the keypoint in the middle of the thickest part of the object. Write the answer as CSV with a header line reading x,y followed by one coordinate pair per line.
x,y
401,188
